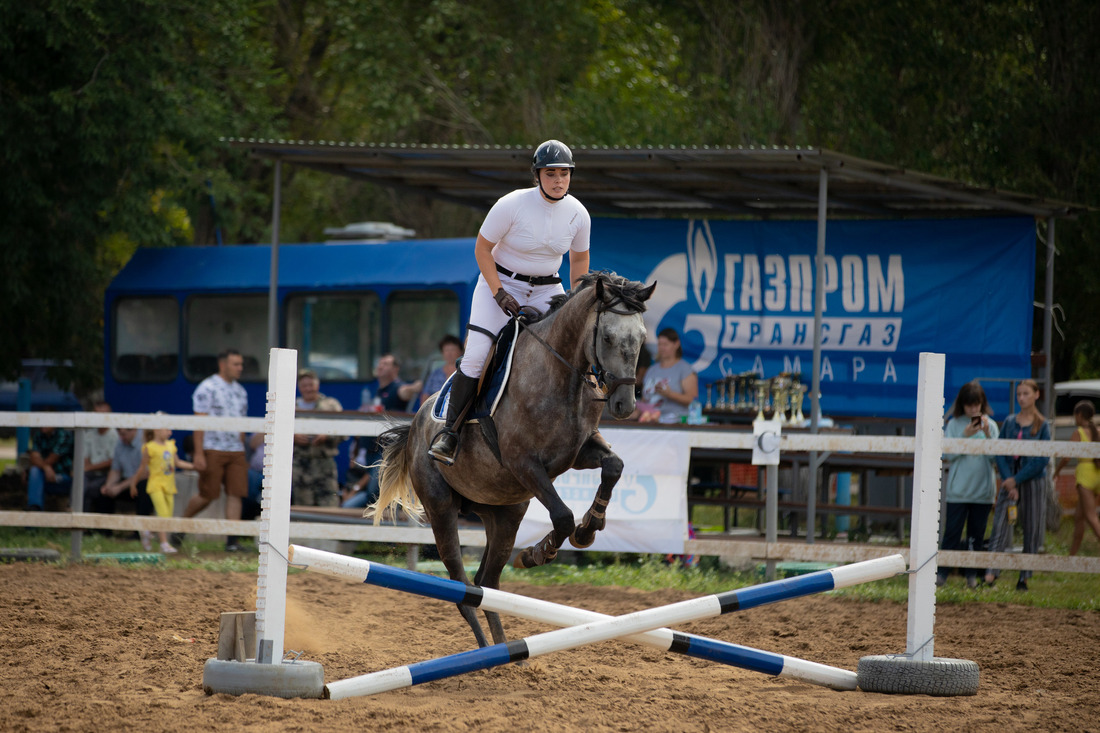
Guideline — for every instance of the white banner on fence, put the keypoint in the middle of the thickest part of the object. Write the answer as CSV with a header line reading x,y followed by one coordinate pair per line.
x,y
648,510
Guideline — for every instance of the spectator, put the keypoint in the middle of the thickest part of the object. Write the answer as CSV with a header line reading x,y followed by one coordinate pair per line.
x,y
159,461
314,479
362,485
51,471
451,349
670,384
256,467
970,486
387,391
518,250
1087,476
1023,483
123,475
99,449
219,455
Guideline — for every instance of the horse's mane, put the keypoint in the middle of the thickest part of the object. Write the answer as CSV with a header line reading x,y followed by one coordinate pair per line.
x,y
625,289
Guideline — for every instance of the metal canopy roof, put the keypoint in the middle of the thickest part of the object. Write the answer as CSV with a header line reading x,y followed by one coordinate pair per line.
x,y
696,182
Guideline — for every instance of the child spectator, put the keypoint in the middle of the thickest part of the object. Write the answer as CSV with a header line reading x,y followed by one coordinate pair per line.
x,y
1087,475
970,486
1023,483
160,460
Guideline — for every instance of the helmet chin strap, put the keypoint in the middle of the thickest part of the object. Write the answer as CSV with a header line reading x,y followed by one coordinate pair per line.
x,y
538,174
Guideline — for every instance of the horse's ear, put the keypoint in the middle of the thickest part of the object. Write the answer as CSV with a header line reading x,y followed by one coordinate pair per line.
x,y
599,288
644,295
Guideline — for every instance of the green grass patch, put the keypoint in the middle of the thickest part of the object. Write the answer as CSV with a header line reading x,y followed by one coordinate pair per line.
x,y
632,570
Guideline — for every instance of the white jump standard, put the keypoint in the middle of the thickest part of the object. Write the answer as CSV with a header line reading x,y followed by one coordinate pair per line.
x,y
603,629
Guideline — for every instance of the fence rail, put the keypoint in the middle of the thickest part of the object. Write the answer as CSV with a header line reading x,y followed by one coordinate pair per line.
x,y
360,424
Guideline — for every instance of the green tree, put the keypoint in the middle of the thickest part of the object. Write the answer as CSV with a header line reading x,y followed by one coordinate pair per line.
x,y
110,113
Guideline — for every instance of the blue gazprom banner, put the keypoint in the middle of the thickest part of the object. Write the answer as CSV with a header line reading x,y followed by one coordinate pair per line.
x,y
741,295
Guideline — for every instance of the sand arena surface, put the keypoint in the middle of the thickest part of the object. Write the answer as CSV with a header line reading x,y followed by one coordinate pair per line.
x,y
95,648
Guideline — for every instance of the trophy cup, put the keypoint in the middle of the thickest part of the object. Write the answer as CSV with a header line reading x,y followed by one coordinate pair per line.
x,y
721,394
748,389
761,398
799,394
780,399
708,405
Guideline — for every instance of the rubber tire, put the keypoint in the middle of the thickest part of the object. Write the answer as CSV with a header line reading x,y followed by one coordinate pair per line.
x,y
940,676
288,679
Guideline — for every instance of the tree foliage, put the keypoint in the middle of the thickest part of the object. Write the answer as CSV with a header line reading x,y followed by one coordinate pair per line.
x,y
110,114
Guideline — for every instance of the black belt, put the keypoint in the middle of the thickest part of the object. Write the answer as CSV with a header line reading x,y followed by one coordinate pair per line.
x,y
533,279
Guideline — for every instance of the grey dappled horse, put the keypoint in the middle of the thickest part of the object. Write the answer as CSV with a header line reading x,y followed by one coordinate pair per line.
x,y
546,422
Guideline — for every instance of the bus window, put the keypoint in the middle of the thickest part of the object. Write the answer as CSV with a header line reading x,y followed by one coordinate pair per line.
x,y
219,322
417,320
146,340
336,335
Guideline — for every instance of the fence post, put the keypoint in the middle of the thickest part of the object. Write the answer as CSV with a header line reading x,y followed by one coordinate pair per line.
x,y
925,526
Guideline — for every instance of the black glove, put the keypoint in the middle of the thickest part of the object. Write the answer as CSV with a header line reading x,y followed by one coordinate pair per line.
x,y
507,303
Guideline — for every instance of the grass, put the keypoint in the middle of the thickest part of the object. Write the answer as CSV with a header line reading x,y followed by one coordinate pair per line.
x,y
645,572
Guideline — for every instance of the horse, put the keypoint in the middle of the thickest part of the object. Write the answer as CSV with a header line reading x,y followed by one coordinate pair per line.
x,y
564,371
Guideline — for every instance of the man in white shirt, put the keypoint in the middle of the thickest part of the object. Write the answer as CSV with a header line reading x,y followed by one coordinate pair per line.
x,y
219,456
99,449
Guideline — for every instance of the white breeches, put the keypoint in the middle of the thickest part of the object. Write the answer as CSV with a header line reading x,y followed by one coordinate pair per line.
x,y
485,312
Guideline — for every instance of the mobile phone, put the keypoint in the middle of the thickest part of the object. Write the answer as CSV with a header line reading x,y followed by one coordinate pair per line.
x,y
976,421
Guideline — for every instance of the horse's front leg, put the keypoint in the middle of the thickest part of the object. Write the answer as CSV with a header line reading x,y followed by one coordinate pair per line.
x,y
538,482
596,453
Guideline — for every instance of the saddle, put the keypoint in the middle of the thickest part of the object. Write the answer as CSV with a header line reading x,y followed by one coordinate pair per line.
x,y
494,378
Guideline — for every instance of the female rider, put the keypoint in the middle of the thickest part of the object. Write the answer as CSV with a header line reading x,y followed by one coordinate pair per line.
x,y
518,250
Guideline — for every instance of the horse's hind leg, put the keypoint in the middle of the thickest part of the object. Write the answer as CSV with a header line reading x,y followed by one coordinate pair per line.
x,y
596,453
501,524
442,504
445,529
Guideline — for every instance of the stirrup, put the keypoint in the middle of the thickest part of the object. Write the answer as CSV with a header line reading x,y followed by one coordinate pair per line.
x,y
444,447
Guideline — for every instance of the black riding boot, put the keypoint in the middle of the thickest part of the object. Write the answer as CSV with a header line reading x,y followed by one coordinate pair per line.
x,y
445,444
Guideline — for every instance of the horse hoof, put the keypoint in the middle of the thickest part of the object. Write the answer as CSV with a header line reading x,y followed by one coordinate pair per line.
x,y
574,539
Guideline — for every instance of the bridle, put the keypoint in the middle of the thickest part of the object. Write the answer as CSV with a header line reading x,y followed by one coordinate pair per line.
x,y
606,381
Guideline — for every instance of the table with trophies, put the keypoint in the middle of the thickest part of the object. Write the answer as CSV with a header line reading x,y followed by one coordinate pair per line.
x,y
717,478
742,398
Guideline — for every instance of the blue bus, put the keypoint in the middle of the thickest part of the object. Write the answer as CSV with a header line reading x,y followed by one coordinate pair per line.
x,y
170,311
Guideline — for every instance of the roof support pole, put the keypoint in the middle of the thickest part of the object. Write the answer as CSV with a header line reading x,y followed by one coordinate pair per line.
x,y
815,390
273,287
1048,325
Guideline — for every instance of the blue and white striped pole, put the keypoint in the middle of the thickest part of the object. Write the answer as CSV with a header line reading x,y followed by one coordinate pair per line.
x,y
534,609
589,627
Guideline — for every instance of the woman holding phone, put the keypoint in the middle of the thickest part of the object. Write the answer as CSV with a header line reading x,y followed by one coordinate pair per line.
x,y
970,486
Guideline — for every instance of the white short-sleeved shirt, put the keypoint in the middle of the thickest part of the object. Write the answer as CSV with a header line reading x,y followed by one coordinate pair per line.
x,y
531,234
99,447
215,396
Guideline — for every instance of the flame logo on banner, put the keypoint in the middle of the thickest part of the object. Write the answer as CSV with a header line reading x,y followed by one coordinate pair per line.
x,y
702,261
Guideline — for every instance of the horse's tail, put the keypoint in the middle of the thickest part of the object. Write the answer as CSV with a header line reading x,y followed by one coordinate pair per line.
x,y
395,487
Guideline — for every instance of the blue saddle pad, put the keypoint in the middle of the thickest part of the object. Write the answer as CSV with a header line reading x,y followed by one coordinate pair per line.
x,y
493,388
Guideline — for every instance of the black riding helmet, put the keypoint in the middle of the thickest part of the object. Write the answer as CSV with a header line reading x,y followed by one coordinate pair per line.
x,y
551,154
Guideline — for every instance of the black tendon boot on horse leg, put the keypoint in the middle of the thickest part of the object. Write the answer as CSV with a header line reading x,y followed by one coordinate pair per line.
x,y
445,444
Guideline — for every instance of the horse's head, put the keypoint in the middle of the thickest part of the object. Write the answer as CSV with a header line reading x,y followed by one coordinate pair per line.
x,y
618,335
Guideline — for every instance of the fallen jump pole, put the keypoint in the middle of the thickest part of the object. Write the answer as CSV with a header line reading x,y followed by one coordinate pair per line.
x,y
534,609
606,628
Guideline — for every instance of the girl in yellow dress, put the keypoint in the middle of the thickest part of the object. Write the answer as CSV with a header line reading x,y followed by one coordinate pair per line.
x,y
160,460
1088,476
